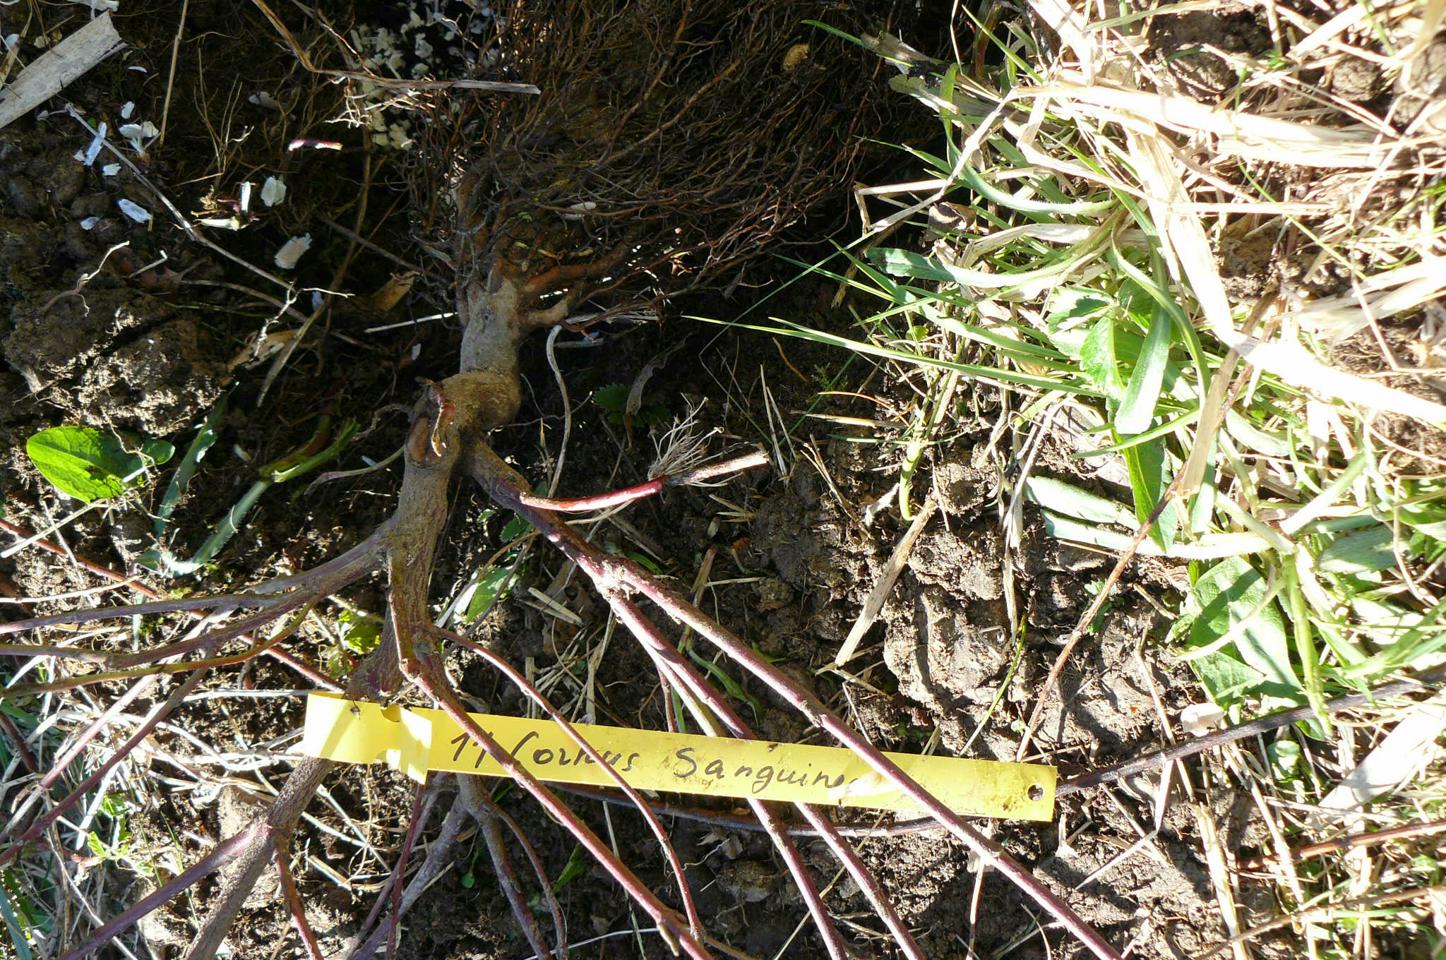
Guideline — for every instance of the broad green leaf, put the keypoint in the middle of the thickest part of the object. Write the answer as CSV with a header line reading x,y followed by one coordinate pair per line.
x,y
491,586
360,632
89,465
1225,678
1363,551
1137,406
1072,501
1097,357
1231,600
1148,481
514,528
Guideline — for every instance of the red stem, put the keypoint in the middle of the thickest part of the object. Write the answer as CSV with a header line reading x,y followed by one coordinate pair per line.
x,y
414,824
672,663
537,697
539,870
642,491
615,576
430,868
665,918
295,904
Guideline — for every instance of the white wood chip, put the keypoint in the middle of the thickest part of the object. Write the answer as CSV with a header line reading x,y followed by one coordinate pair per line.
x,y
273,191
292,250
57,68
134,210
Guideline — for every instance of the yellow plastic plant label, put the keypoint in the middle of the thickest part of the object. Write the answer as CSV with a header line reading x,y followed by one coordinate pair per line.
x,y
418,740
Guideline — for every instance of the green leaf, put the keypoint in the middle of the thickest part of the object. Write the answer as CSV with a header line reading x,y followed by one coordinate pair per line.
x,y
613,398
361,632
84,463
514,528
491,586
1232,602
575,867
1137,406
1071,501
726,681
1225,678
1099,356
1148,481
1360,552
18,935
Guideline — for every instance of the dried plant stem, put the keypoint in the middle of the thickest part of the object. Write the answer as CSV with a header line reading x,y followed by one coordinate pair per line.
x,y
14,844
258,833
351,558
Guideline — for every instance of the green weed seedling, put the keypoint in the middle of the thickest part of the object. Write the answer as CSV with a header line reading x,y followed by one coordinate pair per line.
x,y
92,465
323,447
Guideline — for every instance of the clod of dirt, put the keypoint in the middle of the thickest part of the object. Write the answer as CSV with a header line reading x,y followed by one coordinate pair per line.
x,y
56,332
1356,80
1247,265
952,653
235,809
162,382
1185,46
1421,89
79,349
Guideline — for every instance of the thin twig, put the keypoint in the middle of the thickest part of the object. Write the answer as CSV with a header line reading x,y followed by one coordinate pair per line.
x,y
295,904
